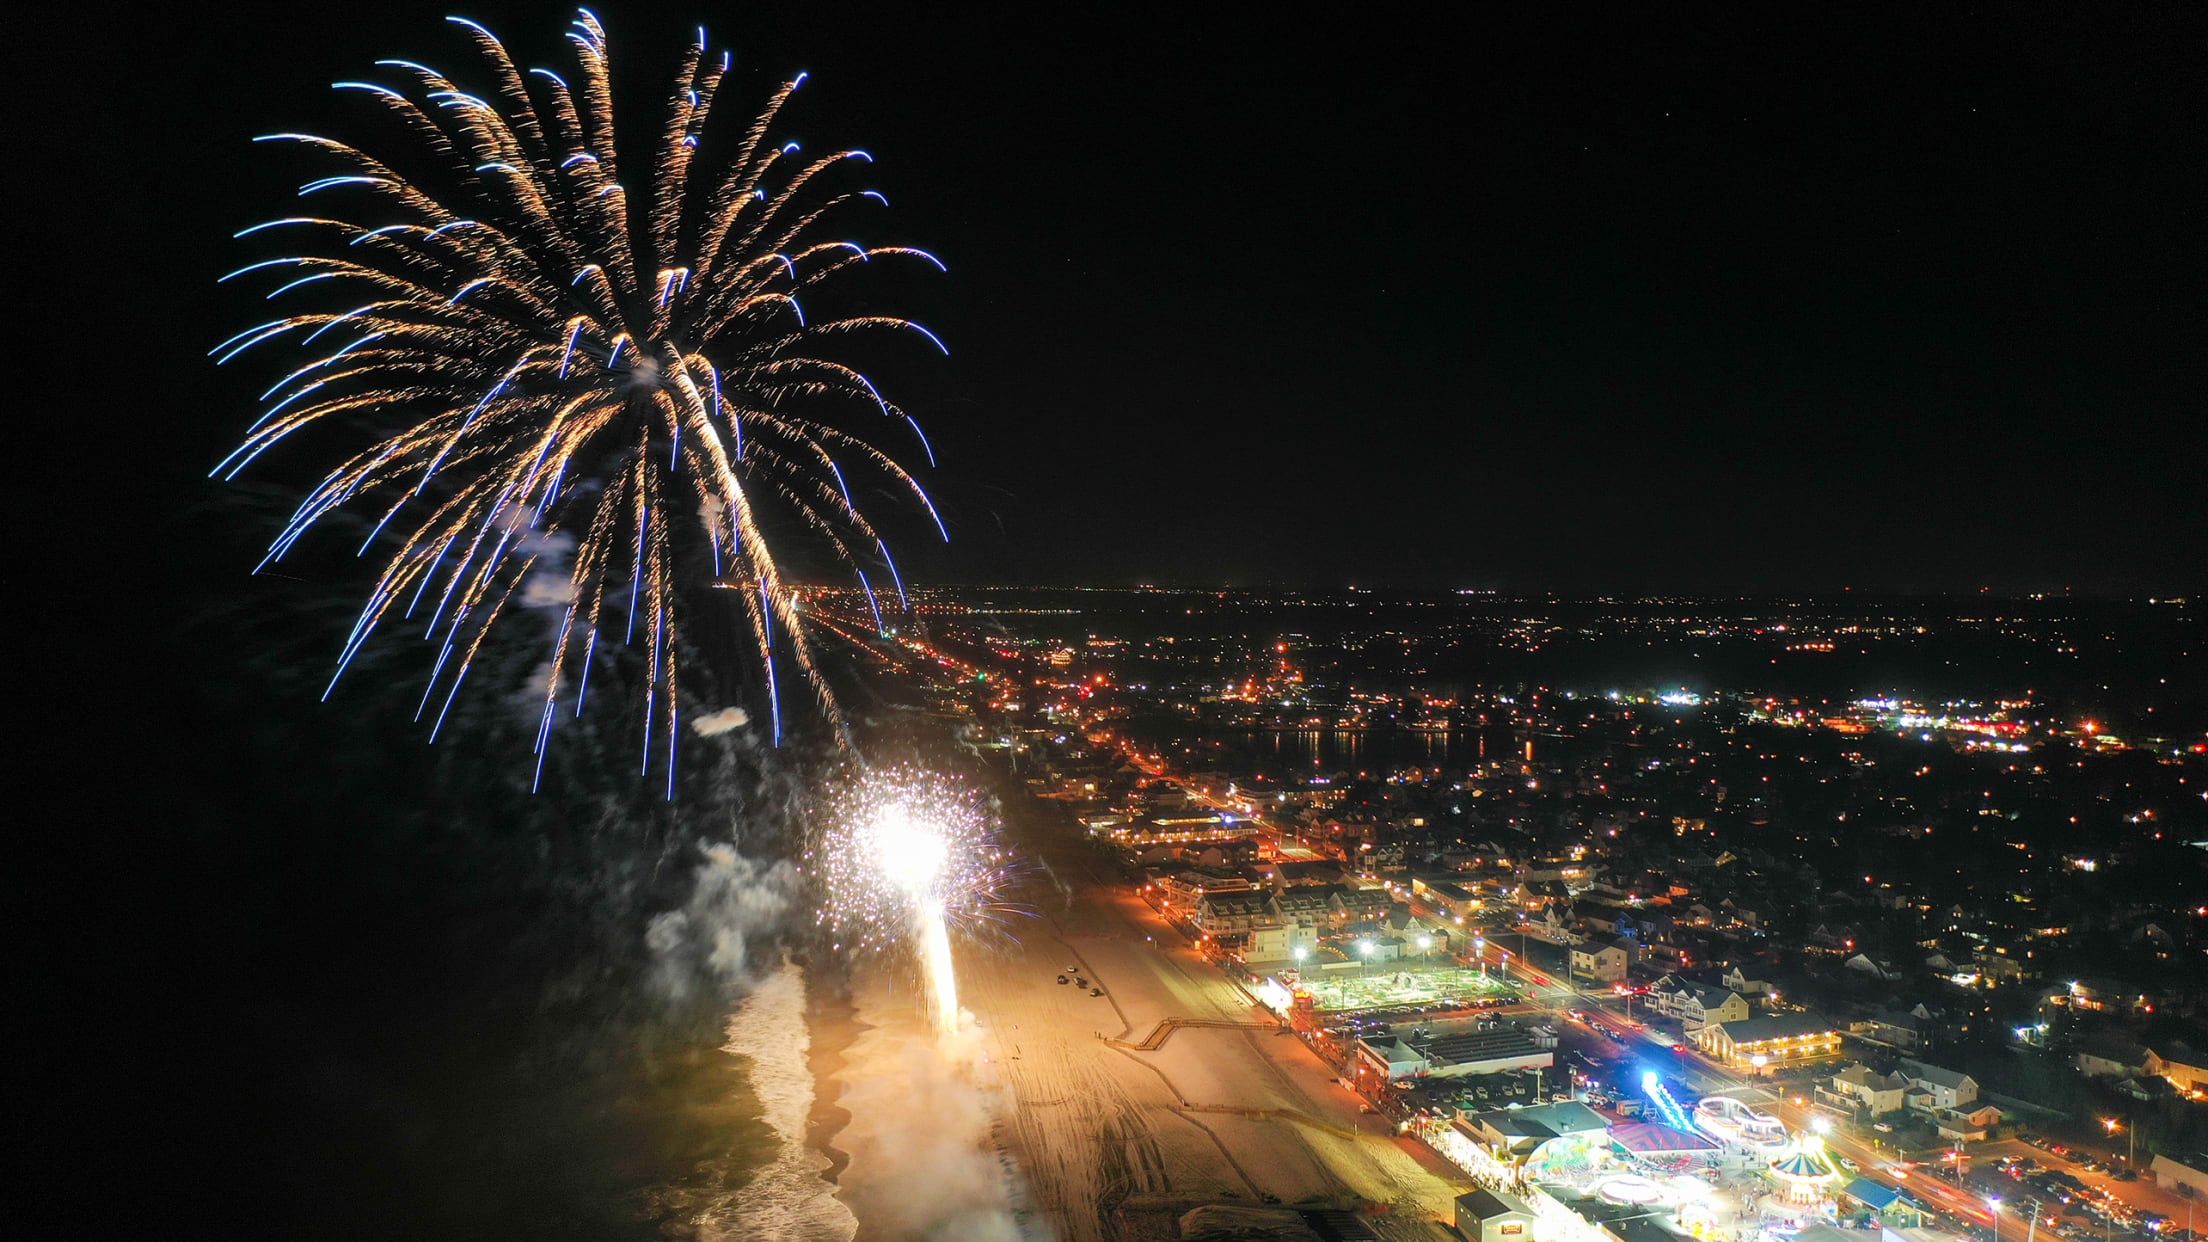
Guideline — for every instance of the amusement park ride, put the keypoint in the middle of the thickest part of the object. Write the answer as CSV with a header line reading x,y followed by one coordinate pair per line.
x,y
1719,1170
1728,1120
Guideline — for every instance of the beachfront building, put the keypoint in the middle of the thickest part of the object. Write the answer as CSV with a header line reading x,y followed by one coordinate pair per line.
x,y
1492,1216
1759,1045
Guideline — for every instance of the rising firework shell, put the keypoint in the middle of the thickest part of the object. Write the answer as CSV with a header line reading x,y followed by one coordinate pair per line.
x,y
593,391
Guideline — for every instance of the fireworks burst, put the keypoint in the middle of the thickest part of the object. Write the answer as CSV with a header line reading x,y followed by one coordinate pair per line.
x,y
909,855
597,396
900,839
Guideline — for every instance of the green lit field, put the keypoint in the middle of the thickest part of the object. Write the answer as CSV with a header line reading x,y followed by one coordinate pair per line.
x,y
1387,987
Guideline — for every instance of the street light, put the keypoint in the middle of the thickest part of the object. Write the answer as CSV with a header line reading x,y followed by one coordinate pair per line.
x,y
1365,947
1995,1204
2131,1136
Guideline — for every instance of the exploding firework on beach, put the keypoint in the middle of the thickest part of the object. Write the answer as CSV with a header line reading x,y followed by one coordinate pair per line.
x,y
590,392
908,856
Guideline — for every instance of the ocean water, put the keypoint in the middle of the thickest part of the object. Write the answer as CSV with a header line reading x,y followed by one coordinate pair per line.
x,y
788,1200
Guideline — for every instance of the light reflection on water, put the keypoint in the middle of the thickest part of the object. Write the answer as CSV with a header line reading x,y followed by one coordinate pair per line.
x,y
1307,751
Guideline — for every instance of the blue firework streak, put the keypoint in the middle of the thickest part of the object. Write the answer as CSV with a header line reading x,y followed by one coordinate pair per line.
x,y
560,362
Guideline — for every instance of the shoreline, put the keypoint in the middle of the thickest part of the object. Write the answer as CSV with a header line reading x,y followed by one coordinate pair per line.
x,y
834,1025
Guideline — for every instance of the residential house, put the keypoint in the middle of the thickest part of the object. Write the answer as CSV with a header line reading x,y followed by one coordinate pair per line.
x,y
2111,1054
1875,967
1605,960
1934,1088
1909,1029
1830,939
1598,918
1696,1005
1536,895
1973,1124
1859,1087
1739,980
1552,926
2181,1064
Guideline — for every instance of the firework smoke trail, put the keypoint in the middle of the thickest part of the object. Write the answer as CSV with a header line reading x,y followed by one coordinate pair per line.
x,y
907,856
935,954
551,349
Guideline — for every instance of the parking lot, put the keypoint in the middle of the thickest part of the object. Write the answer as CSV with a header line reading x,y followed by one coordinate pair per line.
x,y
2079,1195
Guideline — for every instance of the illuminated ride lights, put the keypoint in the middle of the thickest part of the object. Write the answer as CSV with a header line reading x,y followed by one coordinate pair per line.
x,y
1723,1117
1808,1174
1629,1190
1666,1107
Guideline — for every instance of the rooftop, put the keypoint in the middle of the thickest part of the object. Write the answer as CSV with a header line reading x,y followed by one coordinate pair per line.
x,y
1778,1026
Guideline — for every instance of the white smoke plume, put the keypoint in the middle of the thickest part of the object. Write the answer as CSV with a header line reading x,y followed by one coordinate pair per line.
x,y
550,585
922,1162
713,724
548,588
735,905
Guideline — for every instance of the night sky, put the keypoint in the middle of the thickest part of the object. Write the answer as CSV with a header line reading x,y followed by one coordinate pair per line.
x,y
1585,304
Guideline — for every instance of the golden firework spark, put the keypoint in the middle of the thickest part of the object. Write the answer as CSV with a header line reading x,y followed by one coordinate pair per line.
x,y
569,370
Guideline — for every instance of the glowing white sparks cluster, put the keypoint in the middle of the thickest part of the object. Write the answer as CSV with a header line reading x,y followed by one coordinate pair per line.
x,y
908,854
899,843
593,389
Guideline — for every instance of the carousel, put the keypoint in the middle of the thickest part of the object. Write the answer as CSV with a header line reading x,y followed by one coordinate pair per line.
x,y
1806,1176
